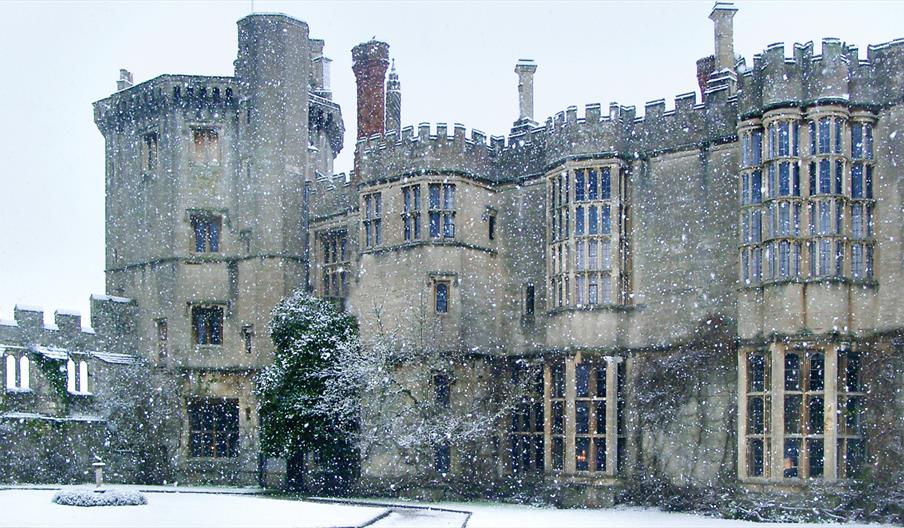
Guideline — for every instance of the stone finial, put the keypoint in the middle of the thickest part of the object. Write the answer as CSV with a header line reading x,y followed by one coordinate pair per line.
x,y
722,15
125,80
525,70
393,100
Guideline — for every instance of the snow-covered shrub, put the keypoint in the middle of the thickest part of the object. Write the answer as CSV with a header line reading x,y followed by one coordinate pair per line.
x,y
104,497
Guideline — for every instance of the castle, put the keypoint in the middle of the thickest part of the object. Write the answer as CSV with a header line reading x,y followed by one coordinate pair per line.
x,y
710,292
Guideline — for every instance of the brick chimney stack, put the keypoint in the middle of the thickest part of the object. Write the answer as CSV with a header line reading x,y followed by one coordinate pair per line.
x,y
705,67
370,61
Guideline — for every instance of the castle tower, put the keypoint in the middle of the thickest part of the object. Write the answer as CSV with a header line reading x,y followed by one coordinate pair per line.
x,y
393,101
206,225
369,62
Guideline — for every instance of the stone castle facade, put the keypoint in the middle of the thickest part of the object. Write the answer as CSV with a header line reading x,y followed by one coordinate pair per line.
x,y
709,293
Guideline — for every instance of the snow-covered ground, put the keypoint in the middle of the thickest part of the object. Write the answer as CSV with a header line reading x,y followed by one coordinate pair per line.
x,y
218,507
32,508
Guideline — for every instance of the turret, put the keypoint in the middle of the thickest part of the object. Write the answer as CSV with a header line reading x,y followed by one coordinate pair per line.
x,y
369,62
393,101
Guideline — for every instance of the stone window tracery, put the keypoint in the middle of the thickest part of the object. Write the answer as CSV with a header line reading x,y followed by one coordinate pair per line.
x,y
335,261
581,270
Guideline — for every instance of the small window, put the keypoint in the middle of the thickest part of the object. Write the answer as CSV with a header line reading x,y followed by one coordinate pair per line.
x,y
162,335
214,427
441,294
441,389
149,152
17,373
442,458
206,229
529,296
248,338
206,146
491,227
411,214
442,210
373,227
77,376
207,325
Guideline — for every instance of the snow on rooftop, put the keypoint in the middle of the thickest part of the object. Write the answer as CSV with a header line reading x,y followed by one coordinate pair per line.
x,y
112,298
74,313
28,308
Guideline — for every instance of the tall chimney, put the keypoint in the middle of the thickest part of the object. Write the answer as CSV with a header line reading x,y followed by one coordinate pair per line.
x,y
525,70
369,62
705,67
393,101
125,80
722,15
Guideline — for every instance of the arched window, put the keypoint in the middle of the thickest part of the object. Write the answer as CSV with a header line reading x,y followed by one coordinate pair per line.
x,y
10,372
24,371
70,376
83,376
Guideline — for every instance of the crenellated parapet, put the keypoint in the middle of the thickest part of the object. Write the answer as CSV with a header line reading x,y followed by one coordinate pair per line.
x,y
429,150
836,75
202,97
618,132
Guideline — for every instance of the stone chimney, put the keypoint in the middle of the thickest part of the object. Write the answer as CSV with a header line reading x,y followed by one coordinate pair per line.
x,y
393,101
369,62
525,70
320,80
705,67
722,15
125,80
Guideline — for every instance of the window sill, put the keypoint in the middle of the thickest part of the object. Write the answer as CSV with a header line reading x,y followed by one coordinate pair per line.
x,y
18,391
85,395
208,348
592,308
872,283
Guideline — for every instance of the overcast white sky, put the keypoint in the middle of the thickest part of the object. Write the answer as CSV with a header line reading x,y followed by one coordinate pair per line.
x,y
455,61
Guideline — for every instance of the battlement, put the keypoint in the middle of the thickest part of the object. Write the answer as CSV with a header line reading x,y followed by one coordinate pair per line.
x,y
430,149
835,74
165,91
30,319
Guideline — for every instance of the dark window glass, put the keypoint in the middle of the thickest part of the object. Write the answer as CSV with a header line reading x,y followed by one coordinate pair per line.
x,y
581,453
825,176
792,414
816,457
824,131
579,185
558,453
529,299
756,422
839,176
600,410
582,417
592,185
600,445
207,325
582,380
869,182
606,184
815,408
441,389
856,141
558,417
579,220
442,458
756,186
442,297
854,456
755,457
606,220
857,180
792,372
756,372
207,233
817,372
812,131
213,427
593,220
792,458
601,381
558,381
491,227
852,372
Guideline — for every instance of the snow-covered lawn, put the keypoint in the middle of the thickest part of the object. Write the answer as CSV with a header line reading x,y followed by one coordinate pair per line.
x,y
32,508
202,507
